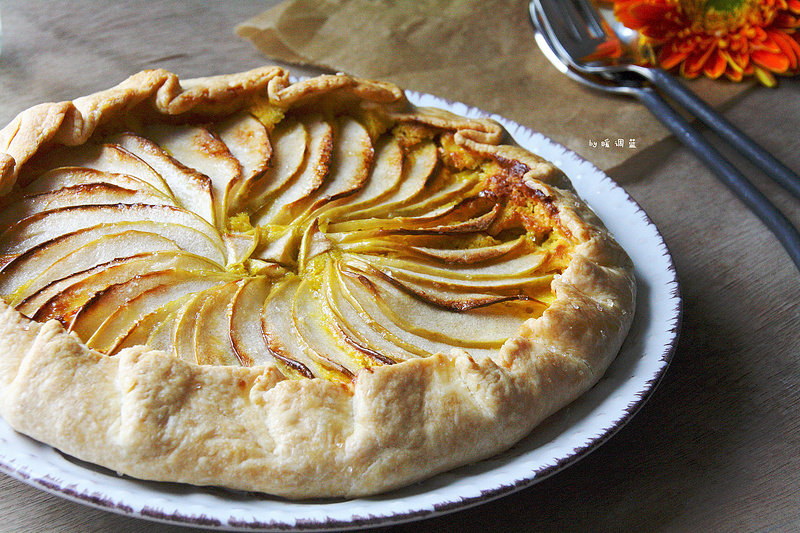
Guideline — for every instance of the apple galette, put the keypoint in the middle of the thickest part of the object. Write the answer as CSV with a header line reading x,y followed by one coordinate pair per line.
x,y
306,289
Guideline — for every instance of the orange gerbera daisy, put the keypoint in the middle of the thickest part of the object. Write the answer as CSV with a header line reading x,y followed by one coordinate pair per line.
x,y
736,38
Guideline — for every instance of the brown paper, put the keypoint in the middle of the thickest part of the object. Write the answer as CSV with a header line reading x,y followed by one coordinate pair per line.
x,y
477,52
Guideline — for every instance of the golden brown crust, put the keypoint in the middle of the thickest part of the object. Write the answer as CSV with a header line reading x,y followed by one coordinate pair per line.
x,y
157,417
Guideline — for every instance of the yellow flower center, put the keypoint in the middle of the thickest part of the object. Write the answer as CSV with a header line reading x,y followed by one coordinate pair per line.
x,y
720,17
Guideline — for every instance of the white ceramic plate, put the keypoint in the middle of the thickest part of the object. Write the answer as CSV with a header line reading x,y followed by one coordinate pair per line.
x,y
563,439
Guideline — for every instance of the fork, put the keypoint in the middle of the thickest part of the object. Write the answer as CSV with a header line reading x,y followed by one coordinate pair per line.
x,y
570,30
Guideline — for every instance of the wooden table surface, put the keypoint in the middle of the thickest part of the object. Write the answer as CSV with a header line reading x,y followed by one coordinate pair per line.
x,y
717,447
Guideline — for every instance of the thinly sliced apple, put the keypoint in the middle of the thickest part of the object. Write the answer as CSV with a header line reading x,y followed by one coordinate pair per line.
x,y
30,305
182,331
289,140
357,292
310,176
115,309
418,167
245,331
455,295
144,328
48,225
78,288
280,246
198,148
359,326
94,311
516,270
404,323
312,244
59,178
84,194
248,141
508,251
212,335
447,216
240,246
104,157
314,333
453,252
281,337
48,255
162,335
383,180
191,188
448,298
350,329
438,201
451,226
350,164
483,327
58,259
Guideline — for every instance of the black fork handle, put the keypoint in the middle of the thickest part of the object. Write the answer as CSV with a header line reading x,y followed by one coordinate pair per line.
x,y
757,155
783,229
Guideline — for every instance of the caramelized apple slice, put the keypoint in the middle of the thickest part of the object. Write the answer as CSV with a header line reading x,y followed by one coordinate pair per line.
x,y
248,141
245,330
480,327
455,295
31,304
505,251
182,331
63,177
136,237
289,139
357,290
418,167
310,177
312,332
126,303
119,306
199,149
48,225
84,194
212,335
77,289
104,157
515,271
439,201
191,188
356,329
384,178
350,164
144,329
464,218
282,338
29,273
162,335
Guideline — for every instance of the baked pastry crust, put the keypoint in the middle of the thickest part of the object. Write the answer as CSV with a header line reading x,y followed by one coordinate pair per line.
x,y
144,413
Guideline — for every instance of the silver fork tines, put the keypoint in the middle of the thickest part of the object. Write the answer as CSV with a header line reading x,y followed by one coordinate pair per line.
x,y
571,30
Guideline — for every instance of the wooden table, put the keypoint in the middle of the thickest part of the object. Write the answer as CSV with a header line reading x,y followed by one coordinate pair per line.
x,y
715,448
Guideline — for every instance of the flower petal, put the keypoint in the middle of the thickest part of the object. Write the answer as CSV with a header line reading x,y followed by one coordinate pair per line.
x,y
734,75
696,61
669,59
774,62
715,66
732,64
792,53
765,77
